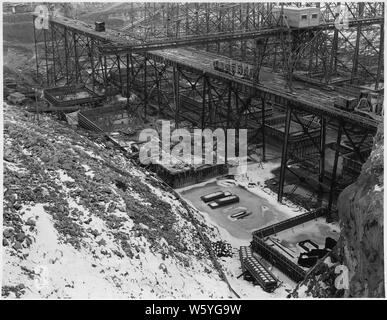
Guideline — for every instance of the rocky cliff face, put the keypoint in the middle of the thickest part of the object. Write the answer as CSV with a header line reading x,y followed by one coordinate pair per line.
x,y
360,248
361,216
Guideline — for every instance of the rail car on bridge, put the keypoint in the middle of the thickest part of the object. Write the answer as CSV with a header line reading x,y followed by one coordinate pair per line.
x,y
235,68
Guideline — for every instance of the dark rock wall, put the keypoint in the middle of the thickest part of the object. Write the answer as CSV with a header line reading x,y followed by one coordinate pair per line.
x,y
361,217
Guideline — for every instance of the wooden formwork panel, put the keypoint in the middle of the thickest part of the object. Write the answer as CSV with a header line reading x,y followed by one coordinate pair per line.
x,y
67,96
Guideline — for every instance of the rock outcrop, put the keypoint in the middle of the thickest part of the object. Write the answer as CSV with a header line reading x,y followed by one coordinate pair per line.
x,y
361,216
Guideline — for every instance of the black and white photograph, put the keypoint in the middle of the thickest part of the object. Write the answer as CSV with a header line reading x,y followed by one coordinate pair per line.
x,y
192,151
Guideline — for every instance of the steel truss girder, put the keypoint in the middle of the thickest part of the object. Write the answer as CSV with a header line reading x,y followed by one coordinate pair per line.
x,y
357,138
88,59
202,19
245,20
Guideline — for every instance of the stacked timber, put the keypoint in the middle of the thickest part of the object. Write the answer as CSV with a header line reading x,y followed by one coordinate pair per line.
x,y
255,270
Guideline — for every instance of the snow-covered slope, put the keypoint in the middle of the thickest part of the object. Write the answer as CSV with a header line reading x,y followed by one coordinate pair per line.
x,y
81,221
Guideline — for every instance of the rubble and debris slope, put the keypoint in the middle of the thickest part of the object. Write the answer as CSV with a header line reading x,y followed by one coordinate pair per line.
x,y
82,221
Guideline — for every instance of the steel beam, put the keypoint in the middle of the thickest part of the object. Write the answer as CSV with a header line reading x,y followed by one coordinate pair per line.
x,y
176,93
263,106
46,56
76,60
204,101
334,170
357,46
127,82
380,57
145,85
322,149
36,49
284,157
